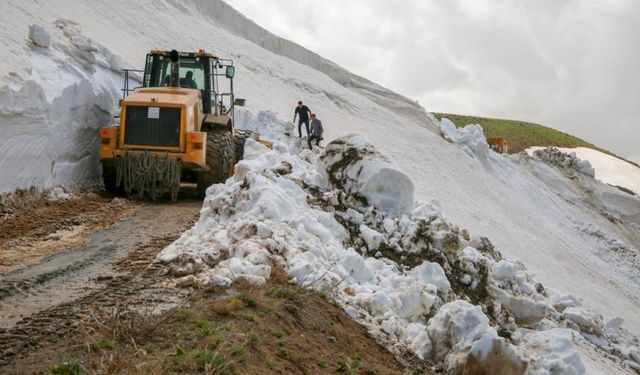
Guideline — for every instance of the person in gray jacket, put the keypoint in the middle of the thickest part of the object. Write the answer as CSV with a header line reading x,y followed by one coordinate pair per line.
x,y
316,130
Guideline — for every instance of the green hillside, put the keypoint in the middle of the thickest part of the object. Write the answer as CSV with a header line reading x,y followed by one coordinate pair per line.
x,y
522,135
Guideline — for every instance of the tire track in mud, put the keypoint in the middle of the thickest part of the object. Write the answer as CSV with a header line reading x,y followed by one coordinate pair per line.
x,y
42,304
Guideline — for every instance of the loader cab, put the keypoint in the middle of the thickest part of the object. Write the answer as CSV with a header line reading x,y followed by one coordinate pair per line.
x,y
205,72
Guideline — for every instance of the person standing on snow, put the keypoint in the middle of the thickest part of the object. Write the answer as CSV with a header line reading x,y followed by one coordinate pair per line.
x,y
316,131
303,111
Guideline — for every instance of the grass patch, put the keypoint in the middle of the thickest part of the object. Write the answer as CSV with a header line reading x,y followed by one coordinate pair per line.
x,y
349,366
278,333
67,368
288,354
102,345
522,135
200,359
253,339
269,363
238,352
280,341
224,307
248,301
206,327
285,292
249,317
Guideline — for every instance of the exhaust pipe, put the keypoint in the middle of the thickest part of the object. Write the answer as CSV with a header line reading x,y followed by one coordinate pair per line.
x,y
175,69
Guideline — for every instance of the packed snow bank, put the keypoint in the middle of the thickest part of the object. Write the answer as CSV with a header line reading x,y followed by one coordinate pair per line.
x,y
413,279
49,124
608,169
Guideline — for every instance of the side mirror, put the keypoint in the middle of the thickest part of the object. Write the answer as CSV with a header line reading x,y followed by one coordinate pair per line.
x,y
239,102
230,72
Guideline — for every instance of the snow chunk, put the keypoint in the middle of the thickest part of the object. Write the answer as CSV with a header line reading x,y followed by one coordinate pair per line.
x,y
587,321
460,336
354,265
372,237
553,352
470,139
355,216
449,130
614,324
253,149
39,36
236,268
505,270
562,301
434,274
353,164
526,311
58,194
456,325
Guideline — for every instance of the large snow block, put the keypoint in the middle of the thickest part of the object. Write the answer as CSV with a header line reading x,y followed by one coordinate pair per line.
x,y
460,337
470,139
354,165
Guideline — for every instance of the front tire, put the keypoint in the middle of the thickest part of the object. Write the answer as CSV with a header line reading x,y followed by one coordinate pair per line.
x,y
240,137
220,160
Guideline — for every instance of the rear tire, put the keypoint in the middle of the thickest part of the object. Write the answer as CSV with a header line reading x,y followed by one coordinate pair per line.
x,y
240,136
220,160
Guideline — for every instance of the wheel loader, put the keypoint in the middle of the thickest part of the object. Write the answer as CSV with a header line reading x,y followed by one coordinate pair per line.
x,y
177,127
499,145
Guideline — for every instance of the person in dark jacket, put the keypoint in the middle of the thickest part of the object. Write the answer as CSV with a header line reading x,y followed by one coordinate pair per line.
x,y
303,111
188,81
316,131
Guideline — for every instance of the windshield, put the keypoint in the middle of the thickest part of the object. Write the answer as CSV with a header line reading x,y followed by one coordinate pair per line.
x,y
191,72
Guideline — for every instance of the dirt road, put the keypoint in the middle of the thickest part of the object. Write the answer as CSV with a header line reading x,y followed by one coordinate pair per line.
x,y
58,260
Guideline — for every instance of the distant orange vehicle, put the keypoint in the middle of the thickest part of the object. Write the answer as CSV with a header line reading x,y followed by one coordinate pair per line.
x,y
499,145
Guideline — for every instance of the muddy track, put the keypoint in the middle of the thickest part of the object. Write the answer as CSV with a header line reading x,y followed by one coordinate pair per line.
x,y
44,302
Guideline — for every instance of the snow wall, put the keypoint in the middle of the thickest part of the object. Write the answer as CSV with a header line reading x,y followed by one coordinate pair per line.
x,y
49,123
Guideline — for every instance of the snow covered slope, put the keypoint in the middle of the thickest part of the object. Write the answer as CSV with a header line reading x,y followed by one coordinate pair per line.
x,y
343,221
566,229
608,169
228,18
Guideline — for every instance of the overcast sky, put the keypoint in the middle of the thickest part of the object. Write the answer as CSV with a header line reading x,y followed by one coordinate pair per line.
x,y
570,64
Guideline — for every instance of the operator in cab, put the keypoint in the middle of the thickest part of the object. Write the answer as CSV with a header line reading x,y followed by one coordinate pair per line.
x,y
188,81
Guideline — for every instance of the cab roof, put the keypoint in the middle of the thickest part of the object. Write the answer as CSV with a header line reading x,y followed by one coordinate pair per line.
x,y
199,53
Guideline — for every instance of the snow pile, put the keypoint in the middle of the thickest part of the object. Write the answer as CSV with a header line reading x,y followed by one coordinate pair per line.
x,y
568,161
413,279
608,169
49,123
470,138
58,194
266,123
554,351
